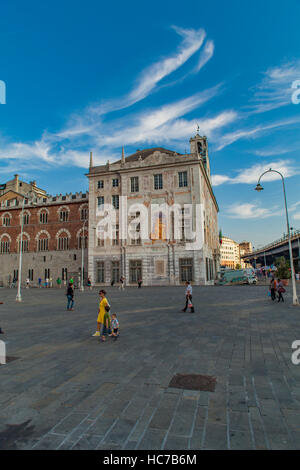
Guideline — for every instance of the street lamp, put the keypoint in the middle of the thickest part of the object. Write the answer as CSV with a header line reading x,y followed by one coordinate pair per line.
x,y
260,188
82,256
18,297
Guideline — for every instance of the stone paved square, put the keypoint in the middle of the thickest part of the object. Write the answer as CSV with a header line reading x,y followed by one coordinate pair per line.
x,y
67,390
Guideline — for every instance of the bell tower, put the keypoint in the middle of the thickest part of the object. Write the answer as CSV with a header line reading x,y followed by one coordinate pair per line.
x,y
198,145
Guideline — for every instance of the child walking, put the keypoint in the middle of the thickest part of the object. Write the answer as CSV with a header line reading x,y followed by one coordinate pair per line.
x,y
106,324
114,327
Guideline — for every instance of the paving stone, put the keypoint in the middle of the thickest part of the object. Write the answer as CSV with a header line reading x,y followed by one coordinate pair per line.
x,y
66,382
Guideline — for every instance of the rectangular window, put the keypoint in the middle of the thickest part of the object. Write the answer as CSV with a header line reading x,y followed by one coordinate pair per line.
x,y
64,216
100,200
64,274
134,183
30,274
135,270
115,182
115,240
47,273
115,201
5,247
100,184
115,271
6,221
186,269
182,178
100,271
158,181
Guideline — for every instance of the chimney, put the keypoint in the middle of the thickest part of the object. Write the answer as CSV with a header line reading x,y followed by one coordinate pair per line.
x,y
17,182
91,160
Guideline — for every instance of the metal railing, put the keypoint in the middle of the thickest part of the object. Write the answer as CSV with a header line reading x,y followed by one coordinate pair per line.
x,y
294,235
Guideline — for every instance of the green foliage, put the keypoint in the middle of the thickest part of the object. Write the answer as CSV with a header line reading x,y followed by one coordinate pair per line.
x,y
283,266
238,266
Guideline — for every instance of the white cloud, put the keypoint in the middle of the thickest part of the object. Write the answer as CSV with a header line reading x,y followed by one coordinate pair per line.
x,y
250,175
205,55
249,211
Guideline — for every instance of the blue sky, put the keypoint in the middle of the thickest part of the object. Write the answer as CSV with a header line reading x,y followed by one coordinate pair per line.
x,y
91,75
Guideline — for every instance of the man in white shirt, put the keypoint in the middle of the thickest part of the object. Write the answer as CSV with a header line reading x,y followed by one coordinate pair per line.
x,y
188,297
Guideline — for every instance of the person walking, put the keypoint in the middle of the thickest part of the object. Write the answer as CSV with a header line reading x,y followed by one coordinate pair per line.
x,y
58,282
122,282
40,282
102,305
188,297
273,288
89,283
280,290
106,330
70,296
27,283
140,282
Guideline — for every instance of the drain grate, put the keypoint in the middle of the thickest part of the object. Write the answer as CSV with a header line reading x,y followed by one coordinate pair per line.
x,y
205,383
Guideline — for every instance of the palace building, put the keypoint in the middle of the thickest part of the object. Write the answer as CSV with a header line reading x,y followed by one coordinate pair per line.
x,y
55,228
150,177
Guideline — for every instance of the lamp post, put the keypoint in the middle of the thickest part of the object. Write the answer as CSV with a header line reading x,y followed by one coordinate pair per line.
x,y
260,188
82,256
19,297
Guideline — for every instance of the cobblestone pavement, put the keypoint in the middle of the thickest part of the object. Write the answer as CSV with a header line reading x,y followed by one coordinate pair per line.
x,y
63,389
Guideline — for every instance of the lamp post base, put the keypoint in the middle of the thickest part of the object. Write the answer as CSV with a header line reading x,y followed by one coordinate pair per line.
x,y
296,301
81,289
18,298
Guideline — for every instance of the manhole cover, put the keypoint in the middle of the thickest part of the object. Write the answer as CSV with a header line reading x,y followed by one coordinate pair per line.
x,y
205,383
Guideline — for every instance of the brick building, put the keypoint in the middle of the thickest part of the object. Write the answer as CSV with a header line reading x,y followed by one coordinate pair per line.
x,y
52,235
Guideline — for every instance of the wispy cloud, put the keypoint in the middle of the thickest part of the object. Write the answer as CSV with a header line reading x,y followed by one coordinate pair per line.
x,y
250,175
232,137
275,89
192,41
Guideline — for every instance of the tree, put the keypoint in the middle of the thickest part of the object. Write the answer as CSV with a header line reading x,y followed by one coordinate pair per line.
x,y
283,268
238,266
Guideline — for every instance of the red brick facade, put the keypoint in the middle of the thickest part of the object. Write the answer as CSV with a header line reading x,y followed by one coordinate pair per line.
x,y
53,221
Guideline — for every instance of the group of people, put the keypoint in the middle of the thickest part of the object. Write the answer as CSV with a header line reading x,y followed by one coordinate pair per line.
x,y
276,287
106,325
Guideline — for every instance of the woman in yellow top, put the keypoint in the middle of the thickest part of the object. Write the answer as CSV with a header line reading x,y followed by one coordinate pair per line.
x,y
102,305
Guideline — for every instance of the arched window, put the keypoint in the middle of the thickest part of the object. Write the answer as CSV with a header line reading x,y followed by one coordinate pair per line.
x,y
64,215
5,244
24,245
43,217
42,239
63,240
6,218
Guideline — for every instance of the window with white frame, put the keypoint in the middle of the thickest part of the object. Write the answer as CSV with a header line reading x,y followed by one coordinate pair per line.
x,y
134,184
100,184
115,201
115,182
158,181
182,179
6,220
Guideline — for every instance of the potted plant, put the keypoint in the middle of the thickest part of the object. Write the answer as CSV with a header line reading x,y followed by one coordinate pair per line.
x,y
283,270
